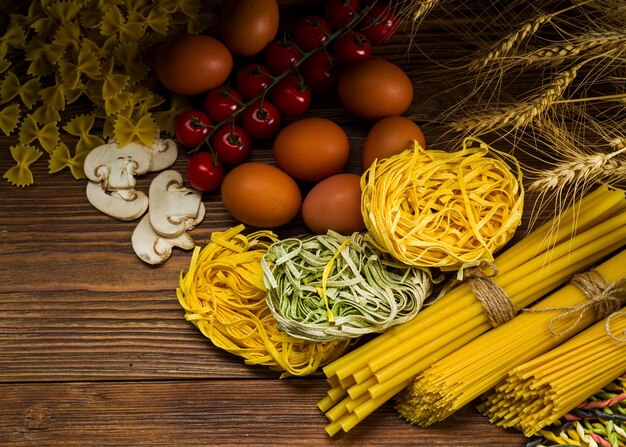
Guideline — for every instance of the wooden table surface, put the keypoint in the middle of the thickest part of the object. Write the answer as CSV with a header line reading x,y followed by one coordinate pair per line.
x,y
95,350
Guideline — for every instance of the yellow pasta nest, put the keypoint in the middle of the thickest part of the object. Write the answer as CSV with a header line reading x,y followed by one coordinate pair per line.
x,y
224,296
431,208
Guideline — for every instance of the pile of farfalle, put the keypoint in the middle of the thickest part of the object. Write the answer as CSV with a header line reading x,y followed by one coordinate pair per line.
x,y
55,53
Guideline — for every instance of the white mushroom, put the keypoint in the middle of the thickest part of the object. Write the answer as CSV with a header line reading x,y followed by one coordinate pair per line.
x,y
173,208
154,248
163,154
130,206
116,167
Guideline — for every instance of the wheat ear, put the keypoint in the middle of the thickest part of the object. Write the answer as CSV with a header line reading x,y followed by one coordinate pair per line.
x,y
513,40
523,113
562,51
584,168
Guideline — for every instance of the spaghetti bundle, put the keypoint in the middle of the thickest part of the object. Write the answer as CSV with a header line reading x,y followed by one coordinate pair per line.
x,y
431,208
224,296
330,286
473,369
542,390
365,378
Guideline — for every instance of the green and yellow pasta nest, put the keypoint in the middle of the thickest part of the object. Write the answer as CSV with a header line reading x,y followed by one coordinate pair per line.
x,y
431,208
329,287
224,296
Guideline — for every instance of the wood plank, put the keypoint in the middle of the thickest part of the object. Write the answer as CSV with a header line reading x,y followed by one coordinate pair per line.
x,y
201,413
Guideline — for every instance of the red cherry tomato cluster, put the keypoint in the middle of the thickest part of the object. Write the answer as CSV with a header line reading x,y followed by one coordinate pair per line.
x,y
306,59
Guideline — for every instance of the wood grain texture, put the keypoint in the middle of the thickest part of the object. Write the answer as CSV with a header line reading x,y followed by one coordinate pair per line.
x,y
94,347
218,412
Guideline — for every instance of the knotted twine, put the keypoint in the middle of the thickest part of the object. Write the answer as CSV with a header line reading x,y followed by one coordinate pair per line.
x,y
496,303
604,299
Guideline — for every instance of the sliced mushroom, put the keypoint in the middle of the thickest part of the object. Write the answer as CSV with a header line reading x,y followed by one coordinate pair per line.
x,y
154,248
163,154
115,166
173,208
128,207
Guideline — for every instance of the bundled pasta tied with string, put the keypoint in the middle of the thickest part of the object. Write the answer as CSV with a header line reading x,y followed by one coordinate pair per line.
x,y
431,208
224,296
540,391
465,374
330,286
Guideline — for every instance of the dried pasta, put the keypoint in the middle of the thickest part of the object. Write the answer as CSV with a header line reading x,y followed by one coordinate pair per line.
x,y
431,208
9,118
473,369
24,156
223,294
93,50
329,286
540,391
365,378
61,158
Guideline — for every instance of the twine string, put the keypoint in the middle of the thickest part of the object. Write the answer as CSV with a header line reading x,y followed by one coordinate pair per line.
x,y
496,303
604,299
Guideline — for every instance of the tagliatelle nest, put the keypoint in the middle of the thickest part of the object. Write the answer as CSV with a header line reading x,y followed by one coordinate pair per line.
x,y
224,296
333,287
431,208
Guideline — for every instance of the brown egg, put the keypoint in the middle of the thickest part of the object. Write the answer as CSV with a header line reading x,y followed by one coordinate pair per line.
x,y
390,136
247,26
261,195
334,204
312,149
375,88
193,64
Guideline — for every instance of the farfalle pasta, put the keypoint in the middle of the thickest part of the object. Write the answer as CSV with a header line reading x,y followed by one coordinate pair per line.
x,y
24,156
92,50
80,126
60,158
9,118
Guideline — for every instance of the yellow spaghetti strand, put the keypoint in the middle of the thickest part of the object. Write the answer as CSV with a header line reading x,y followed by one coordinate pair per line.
x,y
224,297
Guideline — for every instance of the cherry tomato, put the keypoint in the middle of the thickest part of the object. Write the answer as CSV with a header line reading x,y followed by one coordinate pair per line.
x,y
221,102
352,47
310,31
338,13
280,56
204,172
261,120
379,23
320,72
192,126
291,95
252,79
232,144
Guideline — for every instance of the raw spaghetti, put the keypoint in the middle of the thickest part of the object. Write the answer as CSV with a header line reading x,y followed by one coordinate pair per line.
x,y
329,286
224,297
540,391
431,208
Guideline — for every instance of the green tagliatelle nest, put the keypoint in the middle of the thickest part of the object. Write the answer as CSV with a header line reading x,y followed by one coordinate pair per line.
x,y
449,210
328,287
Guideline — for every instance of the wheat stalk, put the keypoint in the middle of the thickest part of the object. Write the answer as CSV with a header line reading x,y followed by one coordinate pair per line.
x,y
566,50
523,113
587,168
513,40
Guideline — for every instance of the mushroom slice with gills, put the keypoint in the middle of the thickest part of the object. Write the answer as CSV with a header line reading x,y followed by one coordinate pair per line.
x,y
154,248
172,206
163,154
115,166
126,205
